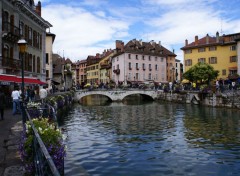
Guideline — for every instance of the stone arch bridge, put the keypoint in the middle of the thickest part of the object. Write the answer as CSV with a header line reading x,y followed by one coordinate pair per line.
x,y
116,95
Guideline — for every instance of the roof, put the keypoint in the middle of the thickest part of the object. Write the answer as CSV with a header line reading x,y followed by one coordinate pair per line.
x,y
147,48
213,41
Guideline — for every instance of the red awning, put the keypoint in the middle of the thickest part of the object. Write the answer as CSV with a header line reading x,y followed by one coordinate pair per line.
x,y
15,79
31,81
8,78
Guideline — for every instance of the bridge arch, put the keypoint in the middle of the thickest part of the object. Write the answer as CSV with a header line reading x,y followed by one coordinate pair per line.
x,y
115,95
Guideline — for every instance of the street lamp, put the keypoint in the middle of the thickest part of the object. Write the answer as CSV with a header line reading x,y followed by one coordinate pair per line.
x,y
22,44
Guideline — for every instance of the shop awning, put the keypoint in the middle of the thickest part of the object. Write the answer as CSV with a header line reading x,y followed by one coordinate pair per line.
x,y
7,79
32,81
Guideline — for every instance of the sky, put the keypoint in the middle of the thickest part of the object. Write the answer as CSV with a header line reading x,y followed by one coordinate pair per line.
x,y
87,27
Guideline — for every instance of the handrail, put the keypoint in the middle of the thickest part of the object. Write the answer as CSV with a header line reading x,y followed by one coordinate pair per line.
x,y
42,160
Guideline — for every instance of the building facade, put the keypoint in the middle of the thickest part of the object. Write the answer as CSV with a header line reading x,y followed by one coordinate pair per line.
x,y
222,52
105,66
49,60
22,19
139,61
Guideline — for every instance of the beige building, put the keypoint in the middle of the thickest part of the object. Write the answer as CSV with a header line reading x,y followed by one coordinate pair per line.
x,y
49,60
22,19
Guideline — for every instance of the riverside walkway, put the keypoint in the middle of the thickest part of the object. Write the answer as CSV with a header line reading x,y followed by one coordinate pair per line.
x,y
10,134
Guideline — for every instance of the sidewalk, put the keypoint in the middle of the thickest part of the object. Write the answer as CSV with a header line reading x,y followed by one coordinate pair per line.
x,y
10,132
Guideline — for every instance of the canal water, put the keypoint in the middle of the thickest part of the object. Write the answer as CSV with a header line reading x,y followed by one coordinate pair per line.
x,y
152,138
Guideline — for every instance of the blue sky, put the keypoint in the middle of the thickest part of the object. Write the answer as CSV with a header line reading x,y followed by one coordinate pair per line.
x,y
87,27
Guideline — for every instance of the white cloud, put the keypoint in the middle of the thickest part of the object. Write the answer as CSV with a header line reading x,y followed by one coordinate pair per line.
x,y
90,26
78,30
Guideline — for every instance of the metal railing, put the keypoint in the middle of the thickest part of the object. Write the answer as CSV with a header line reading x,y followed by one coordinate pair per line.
x,y
10,62
43,162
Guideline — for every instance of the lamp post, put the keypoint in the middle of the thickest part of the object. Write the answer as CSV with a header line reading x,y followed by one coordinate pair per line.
x,y
22,44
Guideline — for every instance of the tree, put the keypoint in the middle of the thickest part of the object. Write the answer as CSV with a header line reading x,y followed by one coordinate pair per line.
x,y
201,72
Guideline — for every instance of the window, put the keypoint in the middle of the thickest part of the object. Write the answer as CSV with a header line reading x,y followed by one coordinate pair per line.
x,y
136,57
232,72
156,67
129,66
202,60
149,58
212,60
47,58
117,58
137,66
137,76
129,56
143,58
150,76
143,66
21,25
224,72
188,62
156,58
117,66
233,58
212,48
233,48
161,59
201,50
47,73
38,65
150,67
188,51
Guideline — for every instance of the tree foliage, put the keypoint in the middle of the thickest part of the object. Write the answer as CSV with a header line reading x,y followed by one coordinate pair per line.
x,y
201,72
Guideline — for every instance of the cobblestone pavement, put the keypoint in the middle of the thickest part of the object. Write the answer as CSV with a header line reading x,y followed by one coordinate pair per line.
x,y
10,133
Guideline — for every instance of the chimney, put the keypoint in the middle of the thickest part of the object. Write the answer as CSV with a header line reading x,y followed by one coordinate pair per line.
x,y
207,39
217,37
159,43
186,42
196,40
39,8
119,45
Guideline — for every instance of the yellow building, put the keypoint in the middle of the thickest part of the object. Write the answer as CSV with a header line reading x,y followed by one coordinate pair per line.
x,y
105,67
219,51
93,69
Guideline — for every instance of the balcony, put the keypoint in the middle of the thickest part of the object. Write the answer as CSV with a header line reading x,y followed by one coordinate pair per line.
x,y
144,69
10,32
10,63
116,71
130,68
150,69
105,66
137,68
233,76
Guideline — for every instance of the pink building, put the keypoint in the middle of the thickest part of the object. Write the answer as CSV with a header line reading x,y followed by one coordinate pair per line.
x,y
139,61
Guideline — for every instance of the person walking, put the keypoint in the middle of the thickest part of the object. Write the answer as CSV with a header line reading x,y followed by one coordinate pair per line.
x,y
2,103
43,93
15,97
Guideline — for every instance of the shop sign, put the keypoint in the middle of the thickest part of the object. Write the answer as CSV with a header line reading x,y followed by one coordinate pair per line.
x,y
5,83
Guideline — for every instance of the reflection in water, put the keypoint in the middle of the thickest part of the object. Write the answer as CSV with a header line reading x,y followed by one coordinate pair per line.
x,y
152,139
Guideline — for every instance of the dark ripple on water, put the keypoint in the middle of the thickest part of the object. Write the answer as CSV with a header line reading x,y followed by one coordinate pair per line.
x,y
152,139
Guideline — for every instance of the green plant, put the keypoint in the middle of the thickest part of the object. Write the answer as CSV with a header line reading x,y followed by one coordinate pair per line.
x,y
52,139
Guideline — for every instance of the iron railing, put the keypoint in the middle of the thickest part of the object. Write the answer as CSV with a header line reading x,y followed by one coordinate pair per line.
x,y
9,28
10,62
42,160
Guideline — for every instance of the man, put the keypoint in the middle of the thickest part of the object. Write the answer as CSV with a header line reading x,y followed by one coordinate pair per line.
x,y
2,103
43,93
15,97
